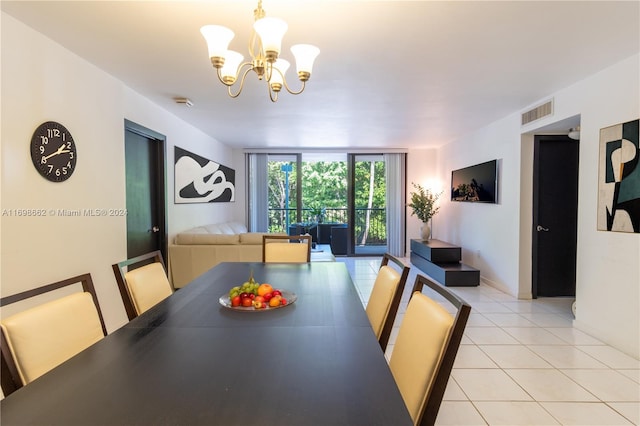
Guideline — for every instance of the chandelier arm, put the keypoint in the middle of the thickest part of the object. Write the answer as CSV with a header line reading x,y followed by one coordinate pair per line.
x,y
286,86
244,75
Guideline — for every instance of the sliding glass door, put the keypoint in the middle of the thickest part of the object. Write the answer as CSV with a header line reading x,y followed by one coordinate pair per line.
x,y
368,205
342,200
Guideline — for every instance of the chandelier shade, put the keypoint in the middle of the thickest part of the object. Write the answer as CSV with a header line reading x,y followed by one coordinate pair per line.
x,y
264,50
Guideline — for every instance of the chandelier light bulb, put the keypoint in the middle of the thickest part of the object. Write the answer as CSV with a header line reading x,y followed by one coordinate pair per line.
x,y
271,31
305,54
229,71
277,78
218,39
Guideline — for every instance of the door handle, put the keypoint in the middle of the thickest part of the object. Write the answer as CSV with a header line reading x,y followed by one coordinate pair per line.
x,y
542,228
154,229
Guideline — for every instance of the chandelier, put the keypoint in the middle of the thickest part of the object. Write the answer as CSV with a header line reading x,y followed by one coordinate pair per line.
x,y
264,49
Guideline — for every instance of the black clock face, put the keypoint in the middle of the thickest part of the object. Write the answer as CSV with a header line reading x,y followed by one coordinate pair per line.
x,y
53,151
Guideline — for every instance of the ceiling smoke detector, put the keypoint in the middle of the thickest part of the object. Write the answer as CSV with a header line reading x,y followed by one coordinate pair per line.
x,y
184,101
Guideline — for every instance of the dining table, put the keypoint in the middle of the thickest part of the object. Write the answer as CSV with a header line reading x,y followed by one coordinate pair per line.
x,y
194,360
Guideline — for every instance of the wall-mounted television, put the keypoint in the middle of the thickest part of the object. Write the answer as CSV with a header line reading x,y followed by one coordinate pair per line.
x,y
477,183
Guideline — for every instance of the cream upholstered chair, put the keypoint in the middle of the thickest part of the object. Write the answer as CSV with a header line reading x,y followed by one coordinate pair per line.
x,y
143,287
286,249
42,337
425,350
385,298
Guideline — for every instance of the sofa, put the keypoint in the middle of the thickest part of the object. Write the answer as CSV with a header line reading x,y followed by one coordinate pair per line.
x,y
195,251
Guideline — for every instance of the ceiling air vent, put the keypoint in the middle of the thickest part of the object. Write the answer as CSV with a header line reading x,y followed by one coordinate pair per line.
x,y
538,112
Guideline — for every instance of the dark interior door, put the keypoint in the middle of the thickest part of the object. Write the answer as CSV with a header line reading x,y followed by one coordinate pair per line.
x,y
555,215
145,185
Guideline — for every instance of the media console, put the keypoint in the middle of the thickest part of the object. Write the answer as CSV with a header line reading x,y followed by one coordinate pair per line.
x,y
442,262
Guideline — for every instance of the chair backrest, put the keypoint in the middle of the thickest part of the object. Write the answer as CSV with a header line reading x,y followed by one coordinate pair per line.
x,y
40,338
425,350
385,298
143,287
286,248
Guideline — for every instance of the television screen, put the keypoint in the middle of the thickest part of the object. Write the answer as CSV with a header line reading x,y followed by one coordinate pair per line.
x,y
475,183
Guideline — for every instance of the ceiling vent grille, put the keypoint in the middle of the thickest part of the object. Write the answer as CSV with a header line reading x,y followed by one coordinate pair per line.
x,y
538,112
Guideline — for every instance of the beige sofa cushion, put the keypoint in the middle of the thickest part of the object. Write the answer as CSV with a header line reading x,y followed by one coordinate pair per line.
x,y
225,228
252,237
206,239
45,336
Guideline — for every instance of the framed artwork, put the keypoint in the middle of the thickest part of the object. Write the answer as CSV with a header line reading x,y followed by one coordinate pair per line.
x,y
619,178
200,180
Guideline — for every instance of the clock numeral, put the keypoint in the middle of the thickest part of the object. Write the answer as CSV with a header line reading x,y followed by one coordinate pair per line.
x,y
44,140
53,133
64,170
68,143
41,149
69,165
50,168
43,160
71,156
57,172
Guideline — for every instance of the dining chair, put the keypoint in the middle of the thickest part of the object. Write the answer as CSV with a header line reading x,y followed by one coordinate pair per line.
x,y
426,347
385,297
144,284
286,248
35,340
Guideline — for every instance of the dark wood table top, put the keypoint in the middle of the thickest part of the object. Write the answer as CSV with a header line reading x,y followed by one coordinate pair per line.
x,y
191,361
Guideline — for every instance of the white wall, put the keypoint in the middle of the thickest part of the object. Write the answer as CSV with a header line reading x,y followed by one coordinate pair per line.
x,y
608,266
42,81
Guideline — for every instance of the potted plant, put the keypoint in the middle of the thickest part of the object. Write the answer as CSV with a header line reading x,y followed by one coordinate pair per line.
x,y
317,212
423,205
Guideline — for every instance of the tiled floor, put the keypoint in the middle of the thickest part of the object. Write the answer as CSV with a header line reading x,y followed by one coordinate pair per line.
x,y
521,362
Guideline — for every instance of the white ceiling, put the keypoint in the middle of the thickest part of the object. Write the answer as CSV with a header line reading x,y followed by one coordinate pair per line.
x,y
390,74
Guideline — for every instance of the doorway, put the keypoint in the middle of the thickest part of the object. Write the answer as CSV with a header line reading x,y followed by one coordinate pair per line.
x,y
145,190
367,205
555,215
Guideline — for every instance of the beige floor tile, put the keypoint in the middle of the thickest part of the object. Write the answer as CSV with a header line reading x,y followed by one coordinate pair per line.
x,y
489,336
479,320
509,320
514,356
548,320
584,413
632,374
611,357
630,410
453,392
566,356
459,413
608,385
489,307
534,336
574,336
512,413
549,385
470,356
489,385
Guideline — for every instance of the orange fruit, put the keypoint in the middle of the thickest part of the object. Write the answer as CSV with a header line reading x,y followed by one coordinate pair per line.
x,y
274,301
264,288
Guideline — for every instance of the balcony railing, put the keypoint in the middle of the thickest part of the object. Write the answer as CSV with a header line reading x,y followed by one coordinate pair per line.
x,y
373,235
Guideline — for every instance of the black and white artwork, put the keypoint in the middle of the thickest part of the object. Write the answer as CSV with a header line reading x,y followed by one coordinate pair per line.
x,y
200,180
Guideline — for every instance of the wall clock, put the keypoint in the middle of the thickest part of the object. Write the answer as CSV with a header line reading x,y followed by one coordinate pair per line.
x,y
53,151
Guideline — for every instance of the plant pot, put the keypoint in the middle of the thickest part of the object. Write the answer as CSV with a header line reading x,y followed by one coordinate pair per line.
x,y
425,231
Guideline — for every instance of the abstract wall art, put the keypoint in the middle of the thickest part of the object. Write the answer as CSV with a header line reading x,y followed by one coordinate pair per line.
x,y
200,180
619,178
